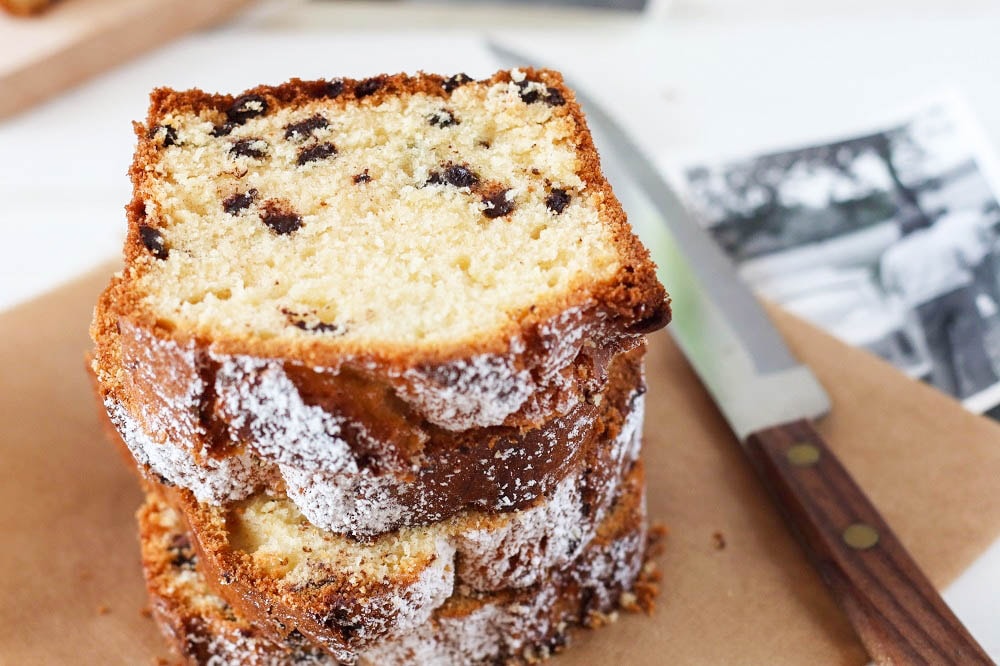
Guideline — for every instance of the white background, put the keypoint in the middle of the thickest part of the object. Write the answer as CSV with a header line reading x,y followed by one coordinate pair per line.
x,y
704,76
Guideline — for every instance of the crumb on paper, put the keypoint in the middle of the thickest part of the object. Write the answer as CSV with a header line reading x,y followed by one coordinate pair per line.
x,y
103,609
146,612
655,540
597,619
719,540
642,598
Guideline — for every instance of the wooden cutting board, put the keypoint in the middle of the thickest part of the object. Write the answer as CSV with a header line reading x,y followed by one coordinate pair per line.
x,y
71,591
76,39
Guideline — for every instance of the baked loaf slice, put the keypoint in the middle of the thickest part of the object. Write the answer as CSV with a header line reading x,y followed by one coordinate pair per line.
x,y
492,469
398,252
507,626
287,575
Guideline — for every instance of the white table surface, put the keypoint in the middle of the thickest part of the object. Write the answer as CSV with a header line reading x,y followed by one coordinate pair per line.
x,y
714,76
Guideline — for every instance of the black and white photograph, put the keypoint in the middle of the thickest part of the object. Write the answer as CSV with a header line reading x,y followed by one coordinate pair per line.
x,y
889,239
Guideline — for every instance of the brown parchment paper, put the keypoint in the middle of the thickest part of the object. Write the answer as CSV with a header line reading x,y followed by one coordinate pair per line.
x,y
71,591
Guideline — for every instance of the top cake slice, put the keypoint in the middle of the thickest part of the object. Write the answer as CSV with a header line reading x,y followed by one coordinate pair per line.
x,y
397,221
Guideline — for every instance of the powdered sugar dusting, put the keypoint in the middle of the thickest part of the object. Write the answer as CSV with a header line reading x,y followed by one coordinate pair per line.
x,y
257,395
475,392
165,375
403,609
358,503
488,631
518,548
212,480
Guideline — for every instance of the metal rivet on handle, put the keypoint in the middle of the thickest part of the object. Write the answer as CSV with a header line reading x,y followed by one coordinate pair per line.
x,y
860,536
803,454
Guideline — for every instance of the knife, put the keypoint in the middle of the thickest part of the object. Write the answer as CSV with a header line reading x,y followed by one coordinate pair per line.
x,y
770,400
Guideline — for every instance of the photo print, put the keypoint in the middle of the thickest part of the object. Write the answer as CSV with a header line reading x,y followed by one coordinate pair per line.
x,y
889,239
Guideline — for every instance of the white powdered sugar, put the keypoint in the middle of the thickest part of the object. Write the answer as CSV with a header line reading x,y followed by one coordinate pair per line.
x,y
349,503
527,544
488,631
257,395
517,549
166,375
359,502
212,480
476,392
561,341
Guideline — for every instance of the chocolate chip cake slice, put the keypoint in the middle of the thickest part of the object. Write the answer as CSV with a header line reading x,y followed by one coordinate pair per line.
x,y
287,575
496,469
399,251
504,626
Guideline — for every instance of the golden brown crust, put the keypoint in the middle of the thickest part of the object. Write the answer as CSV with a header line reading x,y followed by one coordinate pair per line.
x,y
632,301
589,587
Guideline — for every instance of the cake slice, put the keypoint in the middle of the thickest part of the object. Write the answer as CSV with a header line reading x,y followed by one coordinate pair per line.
x,y
397,250
507,626
496,469
286,575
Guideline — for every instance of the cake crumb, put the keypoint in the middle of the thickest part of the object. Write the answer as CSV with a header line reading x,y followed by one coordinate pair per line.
x,y
629,602
146,612
103,609
654,542
719,540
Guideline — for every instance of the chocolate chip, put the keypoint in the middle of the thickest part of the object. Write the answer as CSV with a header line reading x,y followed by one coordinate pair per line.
x,y
246,107
530,93
333,89
225,129
368,86
434,178
319,327
153,240
304,128
363,177
557,200
456,81
497,205
443,118
553,97
182,555
256,148
238,202
165,133
279,219
320,151
460,176
312,325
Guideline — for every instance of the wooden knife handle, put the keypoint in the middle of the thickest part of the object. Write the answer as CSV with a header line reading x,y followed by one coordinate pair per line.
x,y
897,613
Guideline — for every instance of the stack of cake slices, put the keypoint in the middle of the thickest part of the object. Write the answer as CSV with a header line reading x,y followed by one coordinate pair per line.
x,y
377,352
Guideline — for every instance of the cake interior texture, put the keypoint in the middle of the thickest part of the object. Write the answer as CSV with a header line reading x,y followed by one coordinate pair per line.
x,y
286,546
404,219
